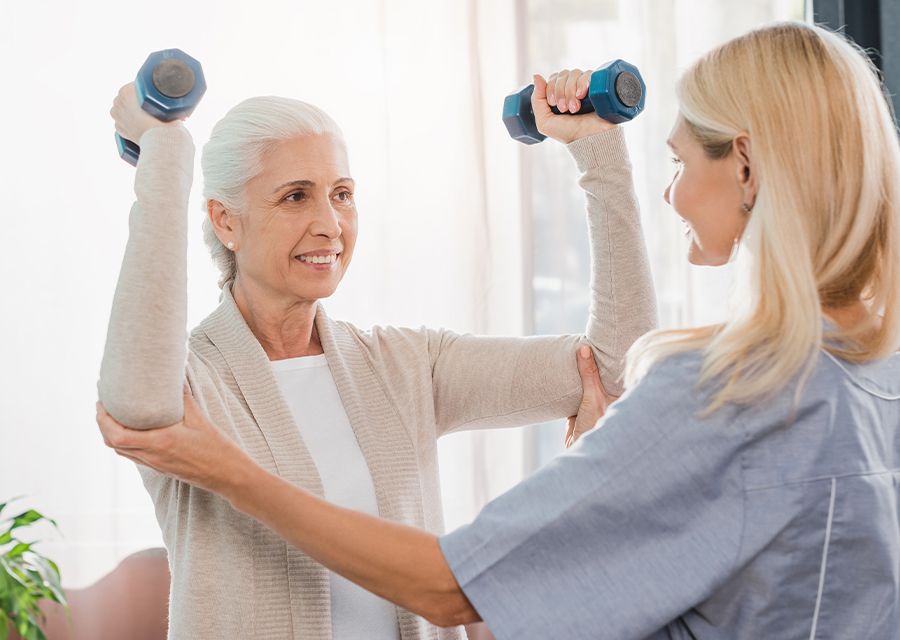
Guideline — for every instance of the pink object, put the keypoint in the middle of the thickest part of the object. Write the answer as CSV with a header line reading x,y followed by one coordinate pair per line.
x,y
130,602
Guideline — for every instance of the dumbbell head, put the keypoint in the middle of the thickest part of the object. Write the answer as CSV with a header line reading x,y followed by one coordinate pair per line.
x,y
518,116
170,85
617,91
616,94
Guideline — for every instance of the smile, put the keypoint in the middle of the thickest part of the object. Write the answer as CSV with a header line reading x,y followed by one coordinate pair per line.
x,y
326,259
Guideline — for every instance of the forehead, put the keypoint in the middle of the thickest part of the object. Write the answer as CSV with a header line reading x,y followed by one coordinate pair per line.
x,y
307,157
679,137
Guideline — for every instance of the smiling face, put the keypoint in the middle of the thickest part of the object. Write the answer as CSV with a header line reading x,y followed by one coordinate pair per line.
x,y
295,240
707,194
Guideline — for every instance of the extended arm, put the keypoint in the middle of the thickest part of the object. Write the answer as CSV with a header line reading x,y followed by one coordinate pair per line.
x,y
497,382
399,563
142,371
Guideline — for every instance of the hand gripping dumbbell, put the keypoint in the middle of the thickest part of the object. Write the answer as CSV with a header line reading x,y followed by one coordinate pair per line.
x,y
169,87
616,94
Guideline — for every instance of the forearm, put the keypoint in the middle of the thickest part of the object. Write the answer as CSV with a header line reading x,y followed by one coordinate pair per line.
x,y
623,303
399,563
142,371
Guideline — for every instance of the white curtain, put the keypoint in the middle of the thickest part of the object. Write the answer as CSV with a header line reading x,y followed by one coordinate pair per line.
x,y
417,88
445,240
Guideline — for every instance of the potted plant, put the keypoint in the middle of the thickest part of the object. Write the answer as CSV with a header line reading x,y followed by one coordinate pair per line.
x,y
25,578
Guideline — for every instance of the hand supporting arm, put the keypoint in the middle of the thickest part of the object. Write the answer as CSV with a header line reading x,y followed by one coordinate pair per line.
x,y
397,562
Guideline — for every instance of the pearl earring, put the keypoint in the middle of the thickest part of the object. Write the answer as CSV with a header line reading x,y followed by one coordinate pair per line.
x,y
230,245
745,208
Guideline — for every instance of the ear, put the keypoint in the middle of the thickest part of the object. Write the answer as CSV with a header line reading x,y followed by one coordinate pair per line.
x,y
223,222
746,174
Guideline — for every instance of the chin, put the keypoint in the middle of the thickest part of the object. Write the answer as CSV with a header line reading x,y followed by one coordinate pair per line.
x,y
699,259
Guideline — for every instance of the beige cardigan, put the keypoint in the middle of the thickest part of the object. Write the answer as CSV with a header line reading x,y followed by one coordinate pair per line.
x,y
402,389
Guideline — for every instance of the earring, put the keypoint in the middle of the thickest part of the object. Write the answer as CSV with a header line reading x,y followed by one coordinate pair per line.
x,y
745,208
230,245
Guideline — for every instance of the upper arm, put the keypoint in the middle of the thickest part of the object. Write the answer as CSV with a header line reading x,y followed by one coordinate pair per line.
x,y
482,381
633,526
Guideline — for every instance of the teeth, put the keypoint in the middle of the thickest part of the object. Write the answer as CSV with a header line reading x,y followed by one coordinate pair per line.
x,y
319,259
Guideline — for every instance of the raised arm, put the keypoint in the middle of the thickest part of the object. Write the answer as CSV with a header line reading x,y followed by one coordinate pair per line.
x,y
497,382
142,372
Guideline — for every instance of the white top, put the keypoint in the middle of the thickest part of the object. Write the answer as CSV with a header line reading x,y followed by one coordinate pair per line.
x,y
311,394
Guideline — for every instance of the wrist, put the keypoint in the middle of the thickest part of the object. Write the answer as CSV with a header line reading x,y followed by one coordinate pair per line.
x,y
239,484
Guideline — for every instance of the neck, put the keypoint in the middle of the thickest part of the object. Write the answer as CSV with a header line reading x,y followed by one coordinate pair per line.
x,y
285,328
853,317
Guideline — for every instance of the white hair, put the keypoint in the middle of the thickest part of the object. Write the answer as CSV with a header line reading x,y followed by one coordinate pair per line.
x,y
233,156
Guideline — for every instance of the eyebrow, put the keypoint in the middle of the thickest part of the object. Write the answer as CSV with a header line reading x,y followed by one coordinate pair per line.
x,y
310,184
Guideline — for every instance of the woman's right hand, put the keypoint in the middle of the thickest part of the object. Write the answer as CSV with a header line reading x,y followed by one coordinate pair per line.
x,y
193,450
132,121
565,90
595,400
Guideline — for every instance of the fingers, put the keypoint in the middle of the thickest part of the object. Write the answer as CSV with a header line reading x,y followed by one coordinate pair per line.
x,y
539,99
590,374
134,459
570,431
571,89
565,89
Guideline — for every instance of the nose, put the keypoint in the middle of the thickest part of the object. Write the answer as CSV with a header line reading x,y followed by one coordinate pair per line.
x,y
326,223
666,193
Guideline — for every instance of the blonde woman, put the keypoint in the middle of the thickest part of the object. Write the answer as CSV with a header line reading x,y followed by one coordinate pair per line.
x,y
747,484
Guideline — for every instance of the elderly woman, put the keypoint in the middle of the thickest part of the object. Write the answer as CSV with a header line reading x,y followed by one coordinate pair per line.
x,y
349,415
747,484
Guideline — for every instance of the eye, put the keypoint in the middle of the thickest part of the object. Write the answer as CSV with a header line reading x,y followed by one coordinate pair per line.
x,y
297,196
344,196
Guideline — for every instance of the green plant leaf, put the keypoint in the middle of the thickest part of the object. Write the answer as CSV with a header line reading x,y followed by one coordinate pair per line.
x,y
26,579
50,574
11,572
3,506
18,550
28,517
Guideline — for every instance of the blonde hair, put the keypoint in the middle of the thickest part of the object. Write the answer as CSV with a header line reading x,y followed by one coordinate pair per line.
x,y
825,227
233,155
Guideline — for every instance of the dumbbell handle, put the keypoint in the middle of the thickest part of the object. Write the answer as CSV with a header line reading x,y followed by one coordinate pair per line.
x,y
586,107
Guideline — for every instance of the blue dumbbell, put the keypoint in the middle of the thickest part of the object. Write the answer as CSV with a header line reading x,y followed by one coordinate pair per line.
x,y
169,87
616,94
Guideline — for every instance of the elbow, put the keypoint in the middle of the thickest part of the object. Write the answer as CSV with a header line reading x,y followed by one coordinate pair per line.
x,y
135,415
450,609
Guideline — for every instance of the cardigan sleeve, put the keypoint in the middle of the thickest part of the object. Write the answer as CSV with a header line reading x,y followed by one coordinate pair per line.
x,y
142,371
496,382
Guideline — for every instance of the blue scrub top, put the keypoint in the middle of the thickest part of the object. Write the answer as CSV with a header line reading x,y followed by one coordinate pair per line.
x,y
660,525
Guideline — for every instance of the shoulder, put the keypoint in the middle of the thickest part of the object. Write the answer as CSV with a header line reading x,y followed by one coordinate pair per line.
x,y
387,341
672,381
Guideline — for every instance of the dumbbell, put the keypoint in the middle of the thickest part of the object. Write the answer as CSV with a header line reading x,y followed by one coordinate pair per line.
x,y
169,87
616,94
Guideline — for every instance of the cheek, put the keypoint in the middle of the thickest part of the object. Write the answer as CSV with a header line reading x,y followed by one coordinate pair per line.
x,y
349,231
683,196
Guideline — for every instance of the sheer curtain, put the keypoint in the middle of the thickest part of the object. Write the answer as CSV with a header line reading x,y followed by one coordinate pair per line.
x,y
417,88
460,226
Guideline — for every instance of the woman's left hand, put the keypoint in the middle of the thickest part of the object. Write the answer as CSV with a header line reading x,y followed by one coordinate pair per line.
x,y
193,450
595,400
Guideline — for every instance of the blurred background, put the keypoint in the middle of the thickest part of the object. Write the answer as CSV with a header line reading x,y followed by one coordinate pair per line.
x,y
460,227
